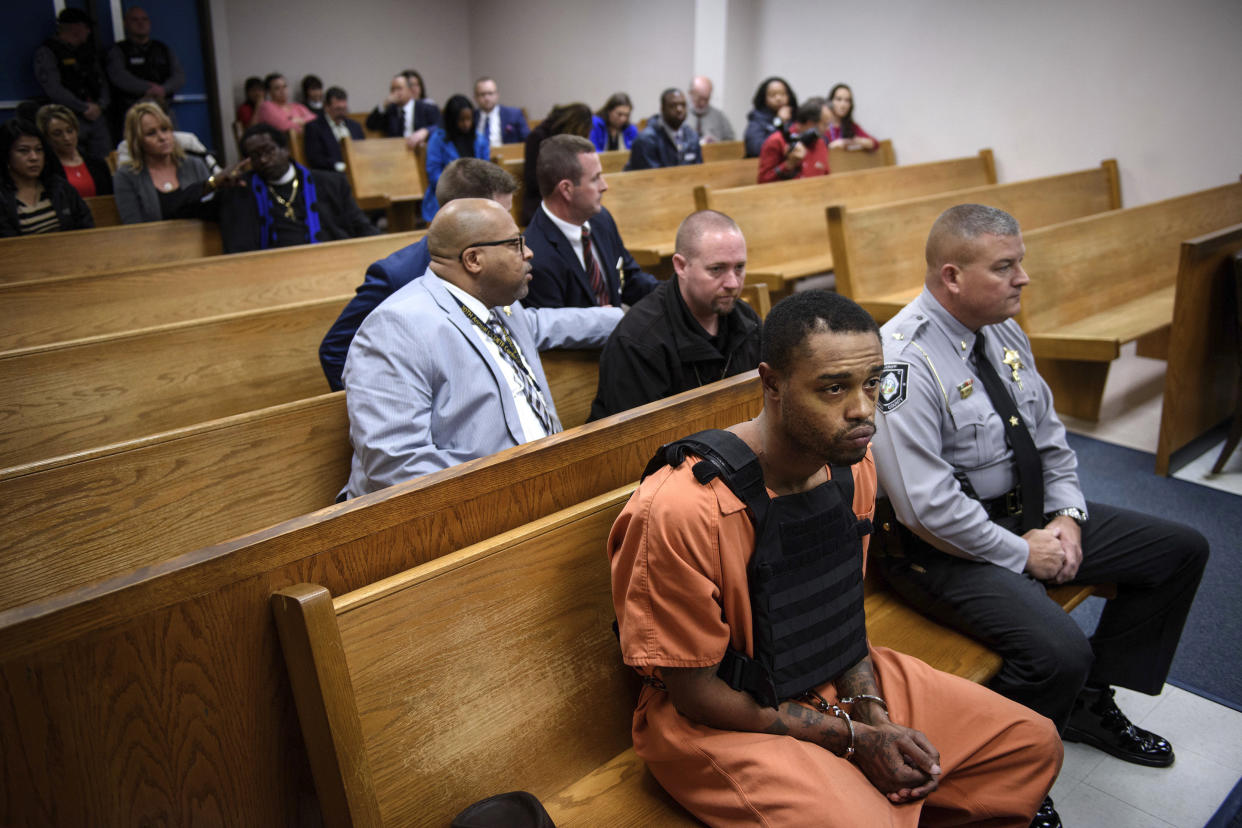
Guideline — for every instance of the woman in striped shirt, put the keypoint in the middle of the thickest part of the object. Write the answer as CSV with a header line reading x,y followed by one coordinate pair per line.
x,y
33,199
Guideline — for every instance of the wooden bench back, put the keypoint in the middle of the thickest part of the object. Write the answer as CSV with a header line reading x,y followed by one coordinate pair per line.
x,y
361,119
197,630
104,210
785,220
878,251
843,160
383,170
396,678
297,145
74,307
508,152
1201,383
723,151
1081,267
78,519
649,205
106,248
69,397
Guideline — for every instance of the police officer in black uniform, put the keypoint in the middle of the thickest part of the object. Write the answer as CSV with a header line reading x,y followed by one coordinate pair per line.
x,y
68,69
141,68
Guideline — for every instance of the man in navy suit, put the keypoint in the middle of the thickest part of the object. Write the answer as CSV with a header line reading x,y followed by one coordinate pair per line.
x,y
404,116
464,178
448,369
501,124
324,134
580,260
667,141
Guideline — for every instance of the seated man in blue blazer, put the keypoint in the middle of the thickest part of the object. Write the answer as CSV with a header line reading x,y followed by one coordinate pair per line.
x,y
403,115
501,124
324,134
464,178
667,140
448,369
580,260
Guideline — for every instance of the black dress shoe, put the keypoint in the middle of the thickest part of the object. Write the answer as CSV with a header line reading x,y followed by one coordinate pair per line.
x,y
1098,722
1046,816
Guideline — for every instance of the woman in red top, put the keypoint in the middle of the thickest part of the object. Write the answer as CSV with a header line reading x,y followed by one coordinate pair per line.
x,y
843,133
254,96
89,175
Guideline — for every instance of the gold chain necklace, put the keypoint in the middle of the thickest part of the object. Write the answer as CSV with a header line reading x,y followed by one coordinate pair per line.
x,y
288,205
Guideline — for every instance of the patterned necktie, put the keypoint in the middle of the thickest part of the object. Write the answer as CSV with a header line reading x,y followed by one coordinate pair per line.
x,y
530,390
1025,454
592,268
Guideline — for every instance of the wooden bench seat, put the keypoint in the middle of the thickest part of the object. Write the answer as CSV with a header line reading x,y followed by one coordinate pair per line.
x,y
1200,384
783,221
158,696
1105,280
94,304
104,210
393,680
106,248
87,516
878,252
649,205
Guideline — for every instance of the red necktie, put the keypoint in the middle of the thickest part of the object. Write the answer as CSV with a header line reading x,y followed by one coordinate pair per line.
x,y
593,271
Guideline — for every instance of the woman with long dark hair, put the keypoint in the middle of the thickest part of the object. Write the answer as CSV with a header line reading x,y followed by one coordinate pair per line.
x,y
456,138
843,133
610,127
774,103
570,119
33,198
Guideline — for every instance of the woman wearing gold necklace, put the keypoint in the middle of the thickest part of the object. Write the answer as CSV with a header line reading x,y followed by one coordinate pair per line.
x,y
160,181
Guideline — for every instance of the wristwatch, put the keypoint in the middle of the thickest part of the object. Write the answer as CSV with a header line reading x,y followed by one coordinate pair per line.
x,y
1076,514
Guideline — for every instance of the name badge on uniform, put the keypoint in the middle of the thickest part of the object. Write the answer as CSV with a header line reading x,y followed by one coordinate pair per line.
x,y
137,60
893,377
1014,362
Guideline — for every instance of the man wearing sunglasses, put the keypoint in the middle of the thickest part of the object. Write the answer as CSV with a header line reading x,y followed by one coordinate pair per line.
x,y
447,369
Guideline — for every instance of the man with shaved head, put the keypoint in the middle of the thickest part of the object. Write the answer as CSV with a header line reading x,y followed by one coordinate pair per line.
x,y
976,465
447,369
691,330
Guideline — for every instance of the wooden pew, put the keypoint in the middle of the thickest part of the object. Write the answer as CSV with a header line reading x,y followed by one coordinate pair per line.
x,y
106,248
380,675
784,221
723,151
508,152
1102,281
843,160
297,145
878,252
1200,384
159,696
77,519
649,205
74,307
361,119
103,209
386,174
72,396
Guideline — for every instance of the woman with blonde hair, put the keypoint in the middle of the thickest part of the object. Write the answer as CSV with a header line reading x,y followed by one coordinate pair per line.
x,y
159,181
88,175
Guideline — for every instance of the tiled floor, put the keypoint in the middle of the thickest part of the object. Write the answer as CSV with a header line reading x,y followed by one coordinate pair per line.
x,y
1094,789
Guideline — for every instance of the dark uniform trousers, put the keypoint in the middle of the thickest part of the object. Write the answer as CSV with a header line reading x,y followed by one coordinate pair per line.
x,y
1156,565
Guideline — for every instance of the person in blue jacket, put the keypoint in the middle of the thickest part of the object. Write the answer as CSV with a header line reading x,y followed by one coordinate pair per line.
x,y
455,139
610,127
463,178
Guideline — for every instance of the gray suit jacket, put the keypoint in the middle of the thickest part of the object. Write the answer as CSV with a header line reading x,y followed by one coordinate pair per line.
x,y
423,392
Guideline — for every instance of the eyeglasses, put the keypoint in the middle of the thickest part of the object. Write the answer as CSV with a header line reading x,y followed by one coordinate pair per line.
x,y
518,243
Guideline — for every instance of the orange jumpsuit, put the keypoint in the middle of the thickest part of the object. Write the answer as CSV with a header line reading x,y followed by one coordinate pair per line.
x,y
678,553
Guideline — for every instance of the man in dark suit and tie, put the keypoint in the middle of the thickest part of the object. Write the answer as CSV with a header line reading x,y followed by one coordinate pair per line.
x,y
403,115
324,134
580,260
502,124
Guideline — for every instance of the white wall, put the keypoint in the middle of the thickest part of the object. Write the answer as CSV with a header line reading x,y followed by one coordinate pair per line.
x,y
1051,86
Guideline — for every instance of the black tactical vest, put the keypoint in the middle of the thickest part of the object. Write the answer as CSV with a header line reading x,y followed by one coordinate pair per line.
x,y
78,70
805,576
151,61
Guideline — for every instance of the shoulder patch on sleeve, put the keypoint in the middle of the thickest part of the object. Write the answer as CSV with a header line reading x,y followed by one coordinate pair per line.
x,y
893,385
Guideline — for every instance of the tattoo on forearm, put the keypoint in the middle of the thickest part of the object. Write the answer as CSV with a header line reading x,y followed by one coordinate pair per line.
x,y
858,680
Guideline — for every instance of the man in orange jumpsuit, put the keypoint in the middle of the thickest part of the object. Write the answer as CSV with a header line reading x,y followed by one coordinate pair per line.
x,y
882,740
